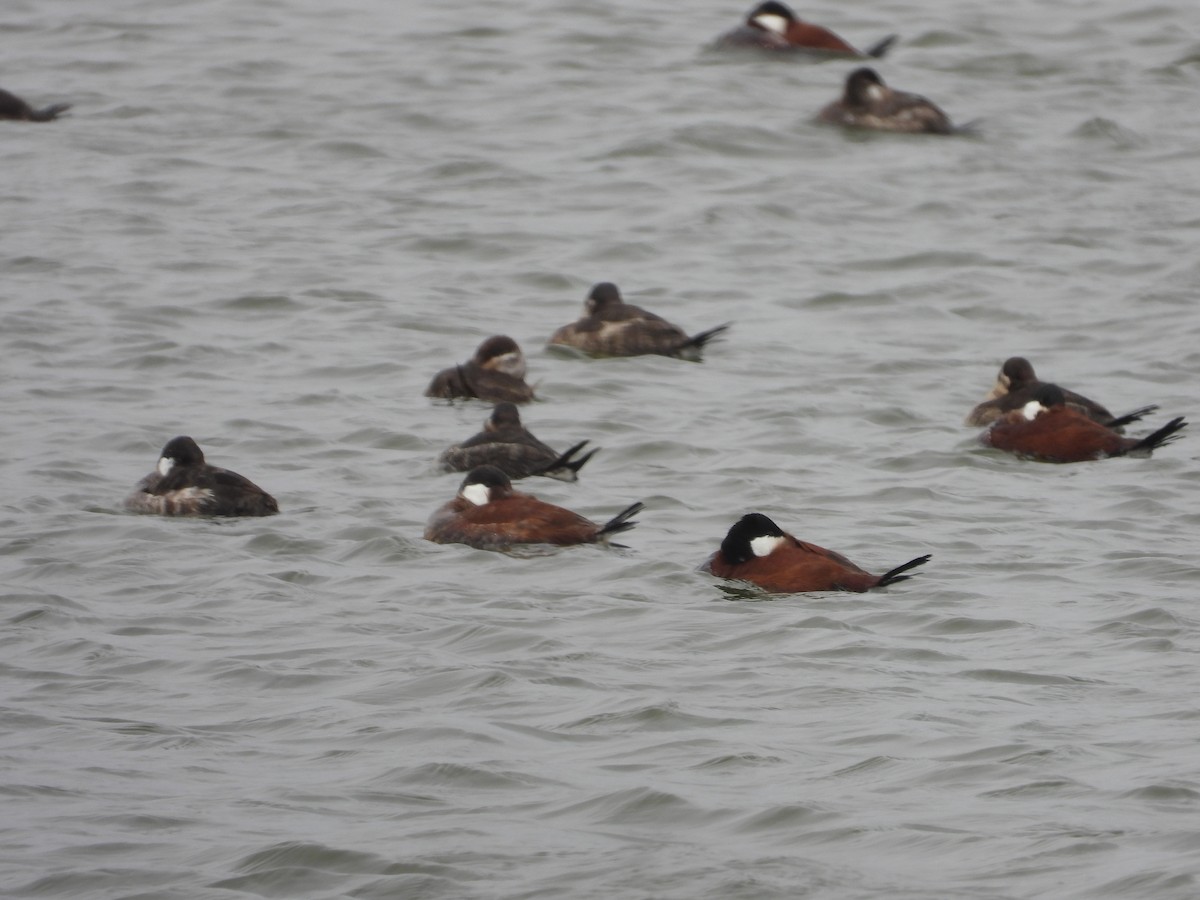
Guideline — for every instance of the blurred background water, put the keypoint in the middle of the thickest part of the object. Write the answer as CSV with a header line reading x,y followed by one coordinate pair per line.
x,y
268,225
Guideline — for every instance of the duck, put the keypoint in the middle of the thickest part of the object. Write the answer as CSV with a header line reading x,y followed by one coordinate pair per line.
x,y
612,327
15,109
488,514
774,26
1015,386
183,484
1046,429
496,373
760,552
867,102
506,444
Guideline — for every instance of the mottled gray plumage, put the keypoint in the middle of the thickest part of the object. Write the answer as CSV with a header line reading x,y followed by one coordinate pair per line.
x,y
612,327
506,444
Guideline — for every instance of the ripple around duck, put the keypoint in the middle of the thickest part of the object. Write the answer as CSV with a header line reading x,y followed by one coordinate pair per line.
x,y
637,806
657,717
1006,676
454,775
280,255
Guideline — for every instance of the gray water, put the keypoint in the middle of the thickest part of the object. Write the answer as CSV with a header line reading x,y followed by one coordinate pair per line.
x,y
268,224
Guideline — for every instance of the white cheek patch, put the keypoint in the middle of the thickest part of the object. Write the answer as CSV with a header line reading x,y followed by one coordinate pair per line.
x,y
479,494
876,93
165,465
766,544
1031,410
771,22
512,363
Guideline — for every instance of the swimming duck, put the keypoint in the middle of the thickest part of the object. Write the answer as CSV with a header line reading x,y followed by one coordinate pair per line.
x,y
612,327
759,551
506,444
1015,386
496,372
867,102
1048,430
183,484
489,515
773,26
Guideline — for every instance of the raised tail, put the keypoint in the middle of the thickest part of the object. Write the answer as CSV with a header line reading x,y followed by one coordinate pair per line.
x,y
564,468
50,113
1122,421
892,576
690,349
1164,435
620,522
882,47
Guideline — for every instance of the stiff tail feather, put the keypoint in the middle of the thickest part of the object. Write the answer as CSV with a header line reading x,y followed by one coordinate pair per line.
x,y
1164,435
1122,421
565,462
50,112
621,521
893,575
879,49
692,346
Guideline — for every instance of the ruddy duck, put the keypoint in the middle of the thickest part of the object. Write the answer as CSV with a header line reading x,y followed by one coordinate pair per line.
x,y
1048,430
496,372
612,327
869,103
773,26
759,551
183,484
1015,386
14,108
489,515
506,444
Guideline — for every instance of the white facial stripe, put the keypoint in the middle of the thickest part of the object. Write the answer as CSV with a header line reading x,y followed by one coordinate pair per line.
x,y
479,494
876,92
764,545
1031,410
165,465
771,22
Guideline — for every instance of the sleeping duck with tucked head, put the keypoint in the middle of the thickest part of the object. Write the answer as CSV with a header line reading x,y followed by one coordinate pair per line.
x,y
509,446
868,103
758,551
1016,385
612,327
774,26
496,372
183,484
489,515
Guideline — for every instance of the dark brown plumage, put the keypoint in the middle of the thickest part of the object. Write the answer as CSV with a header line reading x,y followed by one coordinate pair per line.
x,y
14,108
496,372
183,484
612,327
1015,386
867,102
506,444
